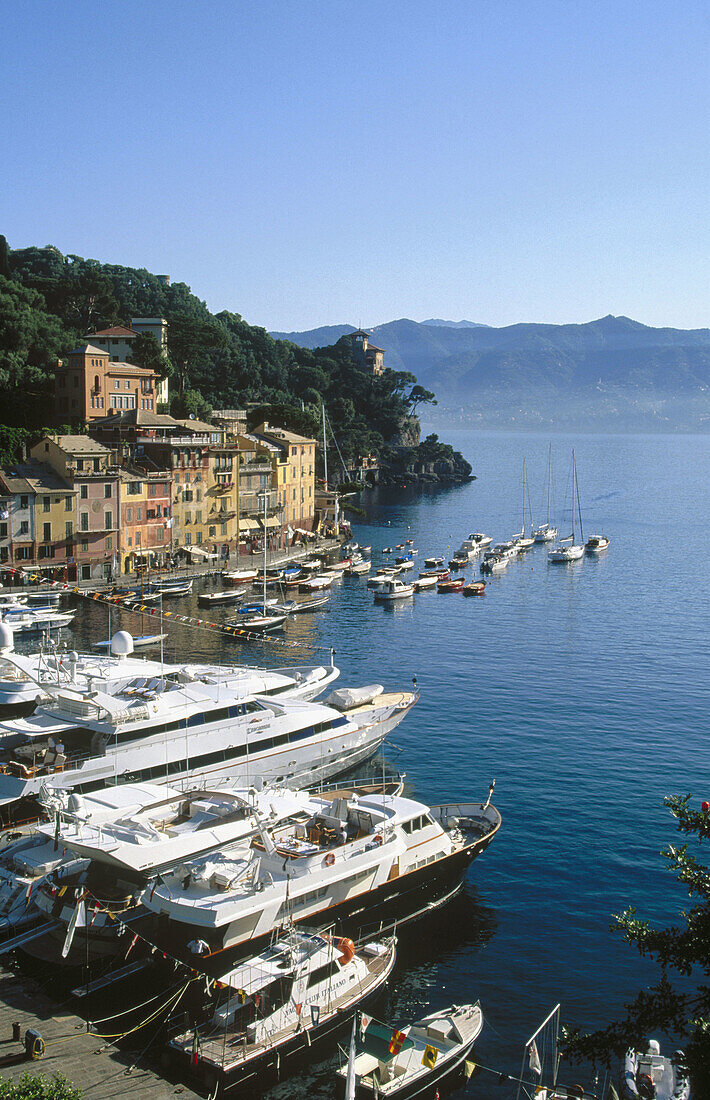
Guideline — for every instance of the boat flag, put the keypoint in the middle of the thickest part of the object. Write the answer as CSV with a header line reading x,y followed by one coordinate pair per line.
x,y
534,1059
429,1057
396,1041
468,1069
365,1022
195,1047
315,1014
78,920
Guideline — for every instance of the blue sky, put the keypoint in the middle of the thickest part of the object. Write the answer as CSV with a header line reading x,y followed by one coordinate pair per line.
x,y
314,163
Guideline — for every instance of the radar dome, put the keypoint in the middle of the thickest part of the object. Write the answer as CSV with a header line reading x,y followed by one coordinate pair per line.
x,y
6,637
122,643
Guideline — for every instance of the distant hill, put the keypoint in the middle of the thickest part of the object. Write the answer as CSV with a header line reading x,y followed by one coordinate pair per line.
x,y
610,373
453,324
316,337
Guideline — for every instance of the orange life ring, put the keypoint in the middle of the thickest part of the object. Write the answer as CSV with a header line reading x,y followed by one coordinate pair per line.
x,y
330,859
377,839
346,948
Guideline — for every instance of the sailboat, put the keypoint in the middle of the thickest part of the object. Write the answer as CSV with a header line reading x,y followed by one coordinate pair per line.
x,y
545,532
571,550
264,618
522,540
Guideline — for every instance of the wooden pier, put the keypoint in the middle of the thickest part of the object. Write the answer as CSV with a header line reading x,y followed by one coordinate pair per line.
x,y
99,1069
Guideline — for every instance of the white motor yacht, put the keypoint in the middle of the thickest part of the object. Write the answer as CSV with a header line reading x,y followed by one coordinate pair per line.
x,y
169,730
352,858
393,589
597,544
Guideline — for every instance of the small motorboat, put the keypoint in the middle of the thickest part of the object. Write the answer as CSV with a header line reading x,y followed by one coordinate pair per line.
x,y
425,584
411,1060
315,583
453,584
597,544
224,596
302,606
393,589
291,573
475,588
387,550
494,564
652,1076
258,607
433,563
311,565
440,574
358,569
503,550
399,546
178,587
258,624
240,576
458,562
365,550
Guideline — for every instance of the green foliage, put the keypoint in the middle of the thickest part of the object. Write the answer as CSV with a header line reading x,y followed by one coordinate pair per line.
x,y
148,353
682,1008
191,403
31,1086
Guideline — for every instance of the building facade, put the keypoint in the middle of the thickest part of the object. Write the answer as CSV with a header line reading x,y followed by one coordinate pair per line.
x,y
88,385
367,355
117,342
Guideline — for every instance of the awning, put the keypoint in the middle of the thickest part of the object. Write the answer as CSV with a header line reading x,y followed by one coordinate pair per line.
x,y
200,552
141,553
248,525
271,521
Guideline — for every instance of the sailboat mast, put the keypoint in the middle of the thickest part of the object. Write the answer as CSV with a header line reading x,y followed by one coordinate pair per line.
x,y
579,507
265,532
523,527
574,482
325,450
549,482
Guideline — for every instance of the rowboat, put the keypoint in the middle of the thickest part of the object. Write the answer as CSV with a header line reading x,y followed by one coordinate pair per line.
x,y
425,583
453,584
475,588
239,576
217,599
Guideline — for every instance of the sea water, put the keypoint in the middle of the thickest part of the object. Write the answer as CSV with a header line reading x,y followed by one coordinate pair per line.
x,y
582,689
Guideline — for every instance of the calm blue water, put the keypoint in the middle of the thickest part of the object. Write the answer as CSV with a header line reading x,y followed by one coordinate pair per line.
x,y
582,689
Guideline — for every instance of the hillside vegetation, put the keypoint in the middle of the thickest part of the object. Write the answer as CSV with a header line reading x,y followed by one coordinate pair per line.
x,y
49,302
609,373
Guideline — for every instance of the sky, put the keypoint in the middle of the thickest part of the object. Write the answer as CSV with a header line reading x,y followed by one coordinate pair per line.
x,y
355,162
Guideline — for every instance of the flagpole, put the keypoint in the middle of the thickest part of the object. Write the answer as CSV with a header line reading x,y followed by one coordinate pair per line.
x,y
350,1079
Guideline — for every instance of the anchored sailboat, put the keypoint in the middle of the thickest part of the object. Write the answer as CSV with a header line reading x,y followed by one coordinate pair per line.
x,y
571,550
545,532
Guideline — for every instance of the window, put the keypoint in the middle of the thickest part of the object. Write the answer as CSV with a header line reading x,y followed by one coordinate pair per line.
x,y
108,521
46,551
47,532
117,385
96,383
198,517
129,515
69,529
160,534
212,532
23,553
84,492
188,539
223,528
24,527
46,504
86,572
139,515
128,383
3,530
107,490
199,536
68,504
130,541
24,502
84,545
138,538
84,521
75,381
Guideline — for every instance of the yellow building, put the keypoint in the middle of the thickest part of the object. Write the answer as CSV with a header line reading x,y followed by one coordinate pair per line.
x,y
293,459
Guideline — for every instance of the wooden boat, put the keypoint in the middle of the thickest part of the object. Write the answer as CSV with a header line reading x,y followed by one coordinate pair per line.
x,y
453,584
260,624
292,573
311,565
358,569
315,583
433,563
475,588
440,574
424,584
409,1059
340,566
178,587
458,563
217,599
258,606
302,606
239,576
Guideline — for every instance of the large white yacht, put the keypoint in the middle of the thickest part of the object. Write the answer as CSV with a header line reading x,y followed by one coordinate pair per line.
x,y
23,678
172,729
362,859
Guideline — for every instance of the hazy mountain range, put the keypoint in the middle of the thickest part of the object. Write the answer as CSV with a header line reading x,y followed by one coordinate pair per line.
x,y
612,373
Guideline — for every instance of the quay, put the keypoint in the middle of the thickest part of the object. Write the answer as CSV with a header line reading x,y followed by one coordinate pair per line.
x,y
101,1070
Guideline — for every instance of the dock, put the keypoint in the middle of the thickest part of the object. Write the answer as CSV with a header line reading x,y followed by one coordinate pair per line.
x,y
101,1070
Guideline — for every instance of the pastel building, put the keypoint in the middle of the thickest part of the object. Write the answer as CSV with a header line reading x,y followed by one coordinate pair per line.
x,y
88,385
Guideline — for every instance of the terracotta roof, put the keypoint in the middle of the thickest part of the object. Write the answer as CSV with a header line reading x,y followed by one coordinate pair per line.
x,y
79,444
116,330
88,349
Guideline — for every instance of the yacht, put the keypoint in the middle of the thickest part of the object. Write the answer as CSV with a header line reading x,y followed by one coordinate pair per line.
x,y
360,859
302,988
546,532
568,549
596,544
173,729
28,620
494,563
24,678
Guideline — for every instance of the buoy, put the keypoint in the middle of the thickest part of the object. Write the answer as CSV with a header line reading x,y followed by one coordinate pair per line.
x,y
705,806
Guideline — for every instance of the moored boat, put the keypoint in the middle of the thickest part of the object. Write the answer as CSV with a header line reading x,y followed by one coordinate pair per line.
x,y
453,584
654,1076
239,576
393,589
474,588
425,584
597,544
218,599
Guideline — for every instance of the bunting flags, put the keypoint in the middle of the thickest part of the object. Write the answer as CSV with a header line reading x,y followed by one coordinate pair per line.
x,y
396,1041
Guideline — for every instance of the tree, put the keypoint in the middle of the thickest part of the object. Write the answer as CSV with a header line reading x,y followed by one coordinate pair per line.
x,y
682,1009
148,353
419,396
31,1086
191,404
4,258
188,339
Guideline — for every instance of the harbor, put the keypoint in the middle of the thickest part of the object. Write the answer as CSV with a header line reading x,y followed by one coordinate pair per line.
x,y
477,718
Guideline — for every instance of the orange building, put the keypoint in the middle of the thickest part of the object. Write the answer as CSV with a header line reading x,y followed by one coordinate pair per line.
x,y
88,385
